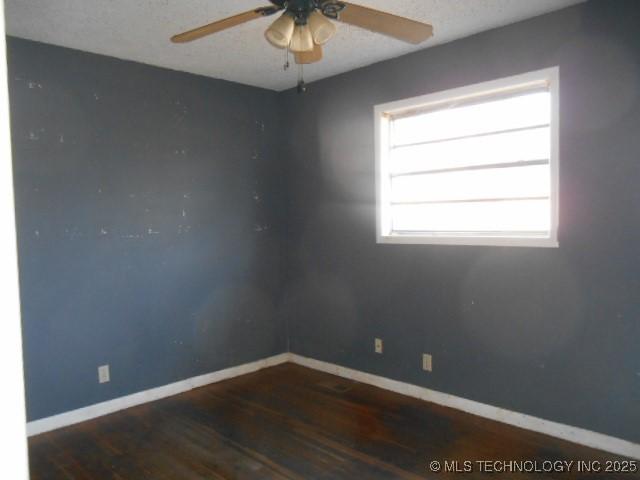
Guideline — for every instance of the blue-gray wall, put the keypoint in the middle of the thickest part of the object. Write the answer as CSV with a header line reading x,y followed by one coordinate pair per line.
x,y
554,333
107,153
149,209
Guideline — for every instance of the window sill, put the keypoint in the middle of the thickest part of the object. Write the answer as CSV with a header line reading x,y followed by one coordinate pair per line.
x,y
470,241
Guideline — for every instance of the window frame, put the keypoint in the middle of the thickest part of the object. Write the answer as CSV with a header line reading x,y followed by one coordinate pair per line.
x,y
548,77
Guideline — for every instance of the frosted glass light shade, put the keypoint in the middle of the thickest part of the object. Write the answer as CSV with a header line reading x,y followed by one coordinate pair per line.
x,y
280,32
302,40
322,29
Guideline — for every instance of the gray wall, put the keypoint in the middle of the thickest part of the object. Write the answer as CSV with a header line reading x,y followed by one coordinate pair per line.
x,y
550,332
149,209
154,209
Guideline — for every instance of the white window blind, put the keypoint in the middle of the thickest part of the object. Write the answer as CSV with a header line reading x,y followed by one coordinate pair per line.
x,y
472,168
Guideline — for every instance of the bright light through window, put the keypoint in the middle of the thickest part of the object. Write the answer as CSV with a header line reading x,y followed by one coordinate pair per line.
x,y
476,165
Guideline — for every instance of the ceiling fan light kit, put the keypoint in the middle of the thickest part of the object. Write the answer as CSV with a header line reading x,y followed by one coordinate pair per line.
x,y
280,32
305,25
302,40
321,27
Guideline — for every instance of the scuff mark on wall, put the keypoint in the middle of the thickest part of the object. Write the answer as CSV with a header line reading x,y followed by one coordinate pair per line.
x,y
183,110
73,233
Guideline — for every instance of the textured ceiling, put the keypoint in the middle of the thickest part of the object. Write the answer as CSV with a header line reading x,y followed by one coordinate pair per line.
x,y
140,30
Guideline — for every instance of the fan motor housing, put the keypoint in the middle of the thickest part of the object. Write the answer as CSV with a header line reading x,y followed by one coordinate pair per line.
x,y
301,9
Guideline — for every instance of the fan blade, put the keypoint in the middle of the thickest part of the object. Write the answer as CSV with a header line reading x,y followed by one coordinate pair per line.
x,y
404,29
218,26
313,56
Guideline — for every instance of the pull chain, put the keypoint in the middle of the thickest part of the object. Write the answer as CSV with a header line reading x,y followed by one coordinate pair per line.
x,y
286,59
302,87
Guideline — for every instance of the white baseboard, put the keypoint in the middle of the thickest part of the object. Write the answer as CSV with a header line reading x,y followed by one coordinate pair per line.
x,y
566,432
104,408
572,434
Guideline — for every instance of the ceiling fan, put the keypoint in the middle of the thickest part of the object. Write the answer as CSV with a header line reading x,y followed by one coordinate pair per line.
x,y
305,25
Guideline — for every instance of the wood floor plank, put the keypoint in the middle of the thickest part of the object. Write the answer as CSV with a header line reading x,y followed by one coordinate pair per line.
x,y
290,423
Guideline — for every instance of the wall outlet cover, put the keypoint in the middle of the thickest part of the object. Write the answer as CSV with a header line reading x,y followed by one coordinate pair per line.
x,y
427,362
103,374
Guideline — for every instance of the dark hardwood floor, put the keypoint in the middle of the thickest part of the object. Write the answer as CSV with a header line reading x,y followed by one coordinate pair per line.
x,y
289,422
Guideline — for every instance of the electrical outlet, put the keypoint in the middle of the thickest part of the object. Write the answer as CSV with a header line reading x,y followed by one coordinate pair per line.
x,y
103,374
378,345
427,362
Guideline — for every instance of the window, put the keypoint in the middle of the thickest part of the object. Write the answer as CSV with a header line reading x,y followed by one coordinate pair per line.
x,y
476,165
